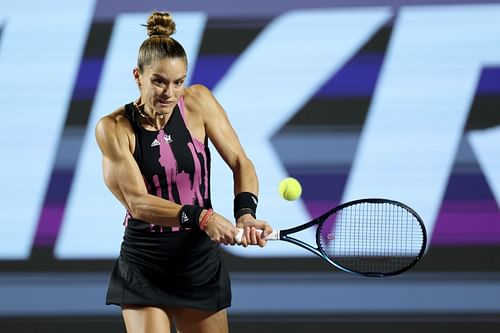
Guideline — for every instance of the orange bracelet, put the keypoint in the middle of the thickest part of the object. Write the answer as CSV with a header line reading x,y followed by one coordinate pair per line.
x,y
206,218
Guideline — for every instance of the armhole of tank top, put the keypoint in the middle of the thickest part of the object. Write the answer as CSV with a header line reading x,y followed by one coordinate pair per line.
x,y
183,115
182,109
129,111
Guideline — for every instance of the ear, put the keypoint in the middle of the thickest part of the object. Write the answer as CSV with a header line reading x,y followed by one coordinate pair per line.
x,y
137,76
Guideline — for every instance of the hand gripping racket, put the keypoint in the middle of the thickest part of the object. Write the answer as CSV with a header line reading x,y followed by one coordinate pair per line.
x,y
370,237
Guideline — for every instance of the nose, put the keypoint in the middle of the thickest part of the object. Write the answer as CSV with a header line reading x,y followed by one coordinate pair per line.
x,y
168,90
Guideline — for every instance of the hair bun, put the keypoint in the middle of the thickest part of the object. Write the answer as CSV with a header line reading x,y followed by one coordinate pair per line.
x,y
160,24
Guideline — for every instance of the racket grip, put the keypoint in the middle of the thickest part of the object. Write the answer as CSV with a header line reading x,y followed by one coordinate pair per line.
x,y
274,235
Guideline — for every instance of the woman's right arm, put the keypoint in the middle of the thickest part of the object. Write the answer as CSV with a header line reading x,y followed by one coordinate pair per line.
x,y
123,177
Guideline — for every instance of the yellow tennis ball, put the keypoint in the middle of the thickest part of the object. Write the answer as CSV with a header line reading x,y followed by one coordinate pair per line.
x,y
290,189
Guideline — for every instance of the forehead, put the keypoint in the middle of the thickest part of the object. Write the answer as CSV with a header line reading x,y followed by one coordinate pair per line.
x,y
167,67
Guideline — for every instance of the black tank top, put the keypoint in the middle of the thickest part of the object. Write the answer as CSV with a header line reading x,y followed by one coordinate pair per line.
x,y
175,166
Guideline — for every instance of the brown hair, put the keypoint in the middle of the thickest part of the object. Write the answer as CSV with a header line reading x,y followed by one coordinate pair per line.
x,y
159,45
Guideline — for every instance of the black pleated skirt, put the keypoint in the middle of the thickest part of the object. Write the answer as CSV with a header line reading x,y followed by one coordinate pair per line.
x,y
169,269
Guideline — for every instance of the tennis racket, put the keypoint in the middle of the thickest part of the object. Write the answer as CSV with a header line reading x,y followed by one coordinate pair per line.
x,y
370,237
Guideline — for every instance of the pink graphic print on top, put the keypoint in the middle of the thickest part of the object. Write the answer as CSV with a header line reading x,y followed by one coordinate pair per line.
x,y
197,174
200,149
188,191
167,161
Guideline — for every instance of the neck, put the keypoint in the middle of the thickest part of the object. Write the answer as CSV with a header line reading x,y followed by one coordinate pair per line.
x,y
155,121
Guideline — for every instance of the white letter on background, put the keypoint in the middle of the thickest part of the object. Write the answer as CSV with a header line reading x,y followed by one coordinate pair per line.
x,y
421,103
485,144
41,46
275,76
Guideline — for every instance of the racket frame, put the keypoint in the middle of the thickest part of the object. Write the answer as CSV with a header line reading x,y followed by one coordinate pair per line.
x,y
284,235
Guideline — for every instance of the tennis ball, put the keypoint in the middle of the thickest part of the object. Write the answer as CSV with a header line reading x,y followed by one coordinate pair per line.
x,y
290,189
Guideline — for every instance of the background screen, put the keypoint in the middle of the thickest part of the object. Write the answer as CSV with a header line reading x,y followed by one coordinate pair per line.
x,y
389,99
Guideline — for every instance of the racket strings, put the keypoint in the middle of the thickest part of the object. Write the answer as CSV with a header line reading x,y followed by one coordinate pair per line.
x,y
372,237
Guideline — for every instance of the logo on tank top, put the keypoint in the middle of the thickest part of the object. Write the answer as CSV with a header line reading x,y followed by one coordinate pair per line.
x,y
166,137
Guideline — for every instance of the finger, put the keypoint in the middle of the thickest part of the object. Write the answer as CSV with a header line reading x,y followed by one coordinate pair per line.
x,y
253,235
262,242
266,229
247,234
229,236
245,240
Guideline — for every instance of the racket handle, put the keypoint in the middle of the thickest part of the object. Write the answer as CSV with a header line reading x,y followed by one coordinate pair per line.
x,y
274,235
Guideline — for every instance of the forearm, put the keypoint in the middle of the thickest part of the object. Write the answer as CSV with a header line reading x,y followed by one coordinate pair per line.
x,y
246,191
156,210
245,178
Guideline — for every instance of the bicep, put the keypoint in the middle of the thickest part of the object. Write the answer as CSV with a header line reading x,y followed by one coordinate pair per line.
x,y
120,171
122,177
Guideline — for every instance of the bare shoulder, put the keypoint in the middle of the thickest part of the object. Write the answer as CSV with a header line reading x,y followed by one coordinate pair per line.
x,y
111,122
113,128
197,91
198,97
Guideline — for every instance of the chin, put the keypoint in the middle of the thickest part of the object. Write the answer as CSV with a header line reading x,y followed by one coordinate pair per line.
x,y
162,109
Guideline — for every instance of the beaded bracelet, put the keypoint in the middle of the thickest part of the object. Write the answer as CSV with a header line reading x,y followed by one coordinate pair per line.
x,y
206,218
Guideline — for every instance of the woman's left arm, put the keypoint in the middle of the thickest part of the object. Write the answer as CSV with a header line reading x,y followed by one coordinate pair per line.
x,y
225,140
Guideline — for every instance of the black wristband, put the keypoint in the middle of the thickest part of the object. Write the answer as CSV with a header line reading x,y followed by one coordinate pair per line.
x,y
247,201
189,216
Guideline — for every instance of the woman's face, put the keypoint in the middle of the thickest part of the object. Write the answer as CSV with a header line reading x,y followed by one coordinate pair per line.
x,y
162,84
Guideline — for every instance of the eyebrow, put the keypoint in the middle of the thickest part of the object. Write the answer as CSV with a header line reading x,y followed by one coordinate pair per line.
x,y
164,78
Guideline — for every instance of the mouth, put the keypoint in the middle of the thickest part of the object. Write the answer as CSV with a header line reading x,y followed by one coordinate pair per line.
x,y
165,102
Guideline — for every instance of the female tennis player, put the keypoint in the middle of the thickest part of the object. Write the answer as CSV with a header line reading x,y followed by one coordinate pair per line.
x,y
156,162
